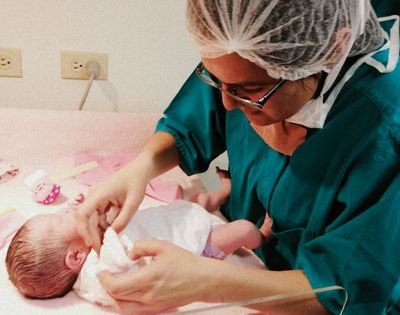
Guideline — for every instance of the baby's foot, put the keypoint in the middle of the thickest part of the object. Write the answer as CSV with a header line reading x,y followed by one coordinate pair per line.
x,y
212,200
222,174
225,179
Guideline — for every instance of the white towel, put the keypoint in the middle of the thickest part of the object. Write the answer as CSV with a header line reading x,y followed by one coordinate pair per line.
x,y
181,222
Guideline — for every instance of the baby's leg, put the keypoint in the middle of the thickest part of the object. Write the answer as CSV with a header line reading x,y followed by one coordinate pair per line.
x,y
212,200
233,235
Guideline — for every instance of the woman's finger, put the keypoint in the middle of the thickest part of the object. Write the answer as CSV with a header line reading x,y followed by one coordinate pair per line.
x,y
145,248
83,215
128,283
82,225
124,216
119,285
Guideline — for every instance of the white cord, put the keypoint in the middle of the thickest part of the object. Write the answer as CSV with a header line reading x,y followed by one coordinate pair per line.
x,y
93,70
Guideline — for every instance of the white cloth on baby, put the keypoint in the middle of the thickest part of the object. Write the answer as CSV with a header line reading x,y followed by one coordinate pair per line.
x,y
181,222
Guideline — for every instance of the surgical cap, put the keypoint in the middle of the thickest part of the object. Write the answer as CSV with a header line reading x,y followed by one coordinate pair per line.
x,y
290,39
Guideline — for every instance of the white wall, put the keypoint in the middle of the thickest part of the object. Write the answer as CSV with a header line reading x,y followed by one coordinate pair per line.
x,y
150,53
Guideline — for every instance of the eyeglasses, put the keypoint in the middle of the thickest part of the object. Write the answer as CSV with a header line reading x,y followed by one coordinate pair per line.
x,y
209,79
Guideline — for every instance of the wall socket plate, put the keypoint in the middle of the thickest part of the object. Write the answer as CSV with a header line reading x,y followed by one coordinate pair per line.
x,y
10,62
73,64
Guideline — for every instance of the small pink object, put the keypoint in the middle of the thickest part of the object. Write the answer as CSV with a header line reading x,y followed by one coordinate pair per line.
x,y
7,171
51,197
44,189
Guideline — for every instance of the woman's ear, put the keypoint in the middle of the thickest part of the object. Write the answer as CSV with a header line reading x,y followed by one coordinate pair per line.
x,y
75,258
338,47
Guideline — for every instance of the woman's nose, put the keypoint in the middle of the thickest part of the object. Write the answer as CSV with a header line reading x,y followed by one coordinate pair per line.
x,y
228,102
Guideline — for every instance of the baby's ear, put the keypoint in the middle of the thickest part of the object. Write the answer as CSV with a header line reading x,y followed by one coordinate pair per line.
x,y
75,258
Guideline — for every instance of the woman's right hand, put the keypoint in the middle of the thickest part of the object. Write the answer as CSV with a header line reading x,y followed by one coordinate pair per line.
x,y
124,191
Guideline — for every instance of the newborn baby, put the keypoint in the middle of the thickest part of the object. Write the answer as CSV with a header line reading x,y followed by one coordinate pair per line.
x,y
46,255
183,223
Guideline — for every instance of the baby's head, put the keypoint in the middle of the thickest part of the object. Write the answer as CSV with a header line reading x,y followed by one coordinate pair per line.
x,y
45,256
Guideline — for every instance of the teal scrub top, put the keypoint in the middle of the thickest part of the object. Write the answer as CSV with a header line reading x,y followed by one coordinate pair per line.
x,y
335,203
386,7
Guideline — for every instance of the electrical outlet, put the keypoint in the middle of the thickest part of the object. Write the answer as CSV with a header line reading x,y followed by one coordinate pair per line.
x,y
10,62
73,64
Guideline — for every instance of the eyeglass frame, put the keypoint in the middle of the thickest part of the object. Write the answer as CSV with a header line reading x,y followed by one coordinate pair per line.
x,y
259,105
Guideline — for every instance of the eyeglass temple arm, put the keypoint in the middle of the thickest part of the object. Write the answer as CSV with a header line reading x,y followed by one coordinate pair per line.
x,y
270,93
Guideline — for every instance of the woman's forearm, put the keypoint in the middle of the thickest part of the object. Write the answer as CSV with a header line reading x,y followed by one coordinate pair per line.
x,y
157,156
231,283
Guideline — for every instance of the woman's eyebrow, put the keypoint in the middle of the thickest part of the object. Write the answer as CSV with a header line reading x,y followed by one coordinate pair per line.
x,y
249,83
258,83
245,83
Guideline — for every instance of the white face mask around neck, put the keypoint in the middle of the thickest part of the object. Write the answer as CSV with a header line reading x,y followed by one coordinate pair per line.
x,y
313,114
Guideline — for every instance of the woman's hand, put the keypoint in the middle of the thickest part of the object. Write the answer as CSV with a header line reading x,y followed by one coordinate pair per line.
x,y
175,277
124,191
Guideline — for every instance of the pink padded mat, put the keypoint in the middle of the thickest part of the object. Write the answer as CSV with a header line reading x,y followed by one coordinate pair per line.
x,y
50,140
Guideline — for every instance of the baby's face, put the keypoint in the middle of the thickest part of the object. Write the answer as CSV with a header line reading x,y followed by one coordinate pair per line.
x,y
63,223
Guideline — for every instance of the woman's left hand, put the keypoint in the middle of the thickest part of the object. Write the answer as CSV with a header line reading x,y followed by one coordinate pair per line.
x,y
174,278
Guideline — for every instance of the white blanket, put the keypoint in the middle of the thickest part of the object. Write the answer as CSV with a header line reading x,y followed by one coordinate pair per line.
x,y
183,223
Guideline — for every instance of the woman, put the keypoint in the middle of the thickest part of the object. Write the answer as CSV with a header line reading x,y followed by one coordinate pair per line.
x,y
294,92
